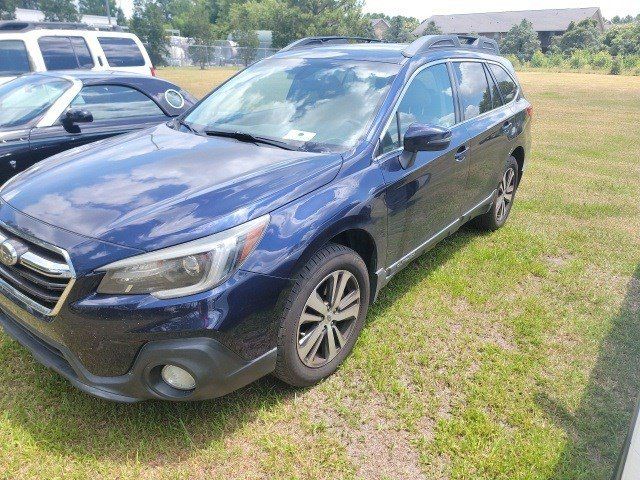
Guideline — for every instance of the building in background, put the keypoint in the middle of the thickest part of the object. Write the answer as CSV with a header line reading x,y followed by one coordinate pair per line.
x,y
380,27
546,23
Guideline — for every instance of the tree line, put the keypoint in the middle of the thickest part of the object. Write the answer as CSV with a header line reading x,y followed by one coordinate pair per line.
x,y
61,10
207,20
582,45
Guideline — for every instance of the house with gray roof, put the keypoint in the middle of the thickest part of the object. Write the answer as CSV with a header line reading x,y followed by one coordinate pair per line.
x,y
547,22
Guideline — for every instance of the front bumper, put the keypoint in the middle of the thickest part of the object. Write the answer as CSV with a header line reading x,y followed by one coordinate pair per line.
x,y
217,369
111,346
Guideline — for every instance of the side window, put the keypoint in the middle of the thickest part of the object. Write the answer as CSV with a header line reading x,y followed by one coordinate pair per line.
x,y
473,88
496,99
391,138
65,53
506,84
14,59
121,52
428,100
81,50
107,102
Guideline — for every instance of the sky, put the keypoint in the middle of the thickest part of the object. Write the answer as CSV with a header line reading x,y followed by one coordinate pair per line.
x,y
423,9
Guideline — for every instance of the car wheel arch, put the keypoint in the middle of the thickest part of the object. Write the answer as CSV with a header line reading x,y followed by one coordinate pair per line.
x,y
518,154
352,235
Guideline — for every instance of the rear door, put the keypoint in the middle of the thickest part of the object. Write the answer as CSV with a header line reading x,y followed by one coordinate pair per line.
x,y
116,109
489,124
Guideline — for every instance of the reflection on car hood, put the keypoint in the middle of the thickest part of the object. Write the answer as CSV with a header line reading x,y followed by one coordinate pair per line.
x,y
162,187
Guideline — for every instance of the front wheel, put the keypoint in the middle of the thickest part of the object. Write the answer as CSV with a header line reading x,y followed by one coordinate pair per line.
x,y
323,316
501,206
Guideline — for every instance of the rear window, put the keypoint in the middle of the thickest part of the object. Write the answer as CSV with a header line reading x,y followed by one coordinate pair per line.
x,y
121,52
14,59
65,53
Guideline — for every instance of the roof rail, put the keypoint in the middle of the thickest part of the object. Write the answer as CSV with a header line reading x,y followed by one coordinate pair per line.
x,y
18,26
465,42
320,41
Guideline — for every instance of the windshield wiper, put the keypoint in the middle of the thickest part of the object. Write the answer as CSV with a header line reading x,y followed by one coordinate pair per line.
x,y
247,137
187,126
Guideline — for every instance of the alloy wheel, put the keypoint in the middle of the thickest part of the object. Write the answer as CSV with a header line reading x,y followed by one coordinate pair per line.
x,y
506,189
328,318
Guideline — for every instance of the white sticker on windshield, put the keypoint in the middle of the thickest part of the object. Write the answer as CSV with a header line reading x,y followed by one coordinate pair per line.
x,y
299,135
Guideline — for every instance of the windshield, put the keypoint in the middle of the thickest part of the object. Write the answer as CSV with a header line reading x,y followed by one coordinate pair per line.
x,y
310,103
26,98
14,59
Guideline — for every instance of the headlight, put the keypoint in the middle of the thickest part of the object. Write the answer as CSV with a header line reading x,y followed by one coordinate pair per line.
x,y
185,269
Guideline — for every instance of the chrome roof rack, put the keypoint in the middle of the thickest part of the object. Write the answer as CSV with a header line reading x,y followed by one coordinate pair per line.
x,y
321,41
18,26
464,42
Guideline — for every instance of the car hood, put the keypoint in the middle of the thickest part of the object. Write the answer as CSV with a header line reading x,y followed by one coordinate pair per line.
x,y
161,187
5,79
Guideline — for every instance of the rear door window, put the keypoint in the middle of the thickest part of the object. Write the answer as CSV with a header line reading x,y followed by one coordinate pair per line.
x,y
473,88
65,53
506,84
14,59
121,52
109,102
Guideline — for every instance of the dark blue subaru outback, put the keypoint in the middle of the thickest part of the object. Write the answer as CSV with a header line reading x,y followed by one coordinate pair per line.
x,y
250,235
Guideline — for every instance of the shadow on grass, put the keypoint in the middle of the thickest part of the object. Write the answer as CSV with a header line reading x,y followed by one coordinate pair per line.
x,y
598,427
57,418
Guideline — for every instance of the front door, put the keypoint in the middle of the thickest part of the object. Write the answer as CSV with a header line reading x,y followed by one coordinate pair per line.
x,y
424,198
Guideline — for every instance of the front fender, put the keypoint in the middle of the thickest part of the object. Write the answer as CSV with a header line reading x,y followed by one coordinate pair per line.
x,y
354,200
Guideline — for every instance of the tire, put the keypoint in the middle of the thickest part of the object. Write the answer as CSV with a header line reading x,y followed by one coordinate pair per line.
x,y
501,206
304,329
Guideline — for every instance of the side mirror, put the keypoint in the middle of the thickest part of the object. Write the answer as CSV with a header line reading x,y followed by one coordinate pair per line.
x,y
426,138
74,116
423,138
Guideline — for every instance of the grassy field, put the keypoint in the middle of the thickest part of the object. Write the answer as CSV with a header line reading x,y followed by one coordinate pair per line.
x,y
511,355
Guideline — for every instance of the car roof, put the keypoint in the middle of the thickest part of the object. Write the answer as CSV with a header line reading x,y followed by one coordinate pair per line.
x,y
382,52
376,52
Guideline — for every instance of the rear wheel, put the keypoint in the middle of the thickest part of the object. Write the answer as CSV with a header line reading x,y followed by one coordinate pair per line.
x,y
323,316
501,206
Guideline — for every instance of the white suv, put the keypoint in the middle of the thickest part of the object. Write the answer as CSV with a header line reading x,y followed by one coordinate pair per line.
x,y
38,47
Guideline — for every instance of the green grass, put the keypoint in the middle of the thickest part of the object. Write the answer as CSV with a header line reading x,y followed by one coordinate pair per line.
x,y
511,355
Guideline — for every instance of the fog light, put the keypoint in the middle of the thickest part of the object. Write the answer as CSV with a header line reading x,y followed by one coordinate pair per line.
x,y
178,377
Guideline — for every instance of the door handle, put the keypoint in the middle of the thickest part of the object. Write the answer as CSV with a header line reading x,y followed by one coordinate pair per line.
x,y
506,127
461,153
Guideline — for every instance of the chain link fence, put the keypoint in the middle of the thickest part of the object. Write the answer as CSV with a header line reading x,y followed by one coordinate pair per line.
x,y
181,53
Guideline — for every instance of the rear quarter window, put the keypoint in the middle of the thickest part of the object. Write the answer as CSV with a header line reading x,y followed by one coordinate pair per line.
x,y
121,52
14,59
507,86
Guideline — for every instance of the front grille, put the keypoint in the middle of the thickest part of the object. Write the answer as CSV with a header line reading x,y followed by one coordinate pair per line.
x,y
34,272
